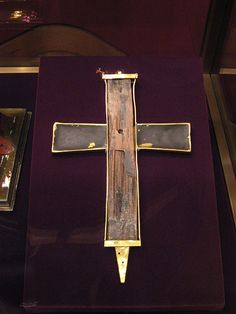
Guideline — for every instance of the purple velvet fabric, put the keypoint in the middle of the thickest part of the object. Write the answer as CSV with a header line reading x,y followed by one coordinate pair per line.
x,y
179,264
229,88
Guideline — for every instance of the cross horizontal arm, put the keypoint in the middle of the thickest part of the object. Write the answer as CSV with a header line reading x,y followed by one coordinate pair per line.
x,y
164,136
69,137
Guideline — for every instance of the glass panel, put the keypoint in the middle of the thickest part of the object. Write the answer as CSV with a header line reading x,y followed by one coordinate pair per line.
x,y
228,59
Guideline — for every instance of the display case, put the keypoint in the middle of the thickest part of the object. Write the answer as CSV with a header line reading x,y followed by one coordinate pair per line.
x,y
220,89
178,30
219,86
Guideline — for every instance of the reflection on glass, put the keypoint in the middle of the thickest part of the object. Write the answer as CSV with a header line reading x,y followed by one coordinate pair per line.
x,y
26,16
6,182
16,14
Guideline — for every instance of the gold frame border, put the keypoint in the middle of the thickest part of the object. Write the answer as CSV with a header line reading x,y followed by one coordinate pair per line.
x,y
137,169
119,75
75,150
122,243
113,243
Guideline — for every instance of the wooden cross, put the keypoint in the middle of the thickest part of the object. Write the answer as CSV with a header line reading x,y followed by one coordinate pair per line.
x,y
121,137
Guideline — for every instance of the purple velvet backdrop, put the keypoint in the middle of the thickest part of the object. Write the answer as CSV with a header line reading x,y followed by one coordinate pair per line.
x,y
179,263
16,90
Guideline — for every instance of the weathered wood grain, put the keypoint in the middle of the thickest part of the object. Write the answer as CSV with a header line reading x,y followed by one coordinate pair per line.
x,y
122,199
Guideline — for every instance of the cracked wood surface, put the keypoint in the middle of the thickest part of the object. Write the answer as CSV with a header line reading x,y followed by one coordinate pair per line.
x,y
122,199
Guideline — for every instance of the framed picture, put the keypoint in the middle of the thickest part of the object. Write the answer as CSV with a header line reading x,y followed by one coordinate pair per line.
x,y
14,125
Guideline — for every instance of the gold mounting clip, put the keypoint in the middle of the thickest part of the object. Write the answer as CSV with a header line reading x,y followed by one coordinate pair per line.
x,y
122,256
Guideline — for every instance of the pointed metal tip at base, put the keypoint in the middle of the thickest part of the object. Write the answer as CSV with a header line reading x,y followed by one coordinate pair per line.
x,y
122,256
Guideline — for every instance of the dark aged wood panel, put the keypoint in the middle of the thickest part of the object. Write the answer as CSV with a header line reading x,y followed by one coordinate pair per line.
x,y
122,199
78,136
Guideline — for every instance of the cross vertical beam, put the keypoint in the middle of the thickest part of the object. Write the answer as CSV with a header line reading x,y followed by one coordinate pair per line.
x,y
122,203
